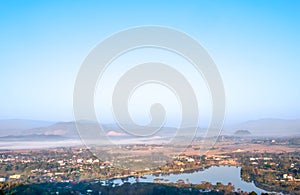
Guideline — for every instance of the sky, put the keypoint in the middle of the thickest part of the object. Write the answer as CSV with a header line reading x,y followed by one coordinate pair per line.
x,y
255,45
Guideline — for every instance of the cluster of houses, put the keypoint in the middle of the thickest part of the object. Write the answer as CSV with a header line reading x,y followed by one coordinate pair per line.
x,y
78,161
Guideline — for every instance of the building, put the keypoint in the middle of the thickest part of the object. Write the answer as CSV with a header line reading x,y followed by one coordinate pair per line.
x,y
2,179
14,177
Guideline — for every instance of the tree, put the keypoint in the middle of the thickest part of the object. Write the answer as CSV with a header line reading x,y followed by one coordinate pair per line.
x,y
252,193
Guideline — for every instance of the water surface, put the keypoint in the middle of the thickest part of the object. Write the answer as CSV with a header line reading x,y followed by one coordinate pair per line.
x,y
214,174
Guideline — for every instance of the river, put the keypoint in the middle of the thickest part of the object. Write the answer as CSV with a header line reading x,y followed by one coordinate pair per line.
x,y
214,174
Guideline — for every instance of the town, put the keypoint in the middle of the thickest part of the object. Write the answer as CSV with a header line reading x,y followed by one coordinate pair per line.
x,y
276,171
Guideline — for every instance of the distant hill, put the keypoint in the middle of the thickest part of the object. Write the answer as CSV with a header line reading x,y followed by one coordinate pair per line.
x,y
242,133
60,128
268,127
16,126
69,129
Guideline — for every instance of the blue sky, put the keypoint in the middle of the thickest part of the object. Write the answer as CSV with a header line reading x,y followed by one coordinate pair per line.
x,y
255,45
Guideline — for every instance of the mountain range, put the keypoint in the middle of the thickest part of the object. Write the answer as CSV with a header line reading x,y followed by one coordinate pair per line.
x,y
44,129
